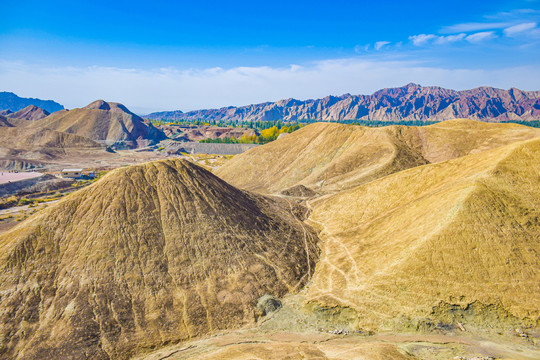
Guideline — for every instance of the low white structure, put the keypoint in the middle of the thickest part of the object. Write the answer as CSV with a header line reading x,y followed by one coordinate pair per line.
x,y
72,173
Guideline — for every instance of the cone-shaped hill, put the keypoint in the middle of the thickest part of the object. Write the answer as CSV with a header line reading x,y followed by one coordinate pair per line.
x,y
106,122
148,255
443,241
329,157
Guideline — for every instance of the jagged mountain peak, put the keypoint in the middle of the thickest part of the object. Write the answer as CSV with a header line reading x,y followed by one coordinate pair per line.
x,y
411,102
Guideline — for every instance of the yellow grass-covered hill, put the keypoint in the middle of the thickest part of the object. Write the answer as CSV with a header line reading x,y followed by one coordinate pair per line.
x,y
149,255
455,241
330,157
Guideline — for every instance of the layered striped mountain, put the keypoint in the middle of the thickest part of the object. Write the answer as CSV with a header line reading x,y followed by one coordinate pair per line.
x,y
411,102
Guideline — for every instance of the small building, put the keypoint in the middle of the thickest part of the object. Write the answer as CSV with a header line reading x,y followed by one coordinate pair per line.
x,y
72,173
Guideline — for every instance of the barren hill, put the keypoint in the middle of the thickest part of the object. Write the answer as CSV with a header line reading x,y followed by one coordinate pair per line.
x,y
411,102
330,157
37,144
31,113
452,241
108,123
150,254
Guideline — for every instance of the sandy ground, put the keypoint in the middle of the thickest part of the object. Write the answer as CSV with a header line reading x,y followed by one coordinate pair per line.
x,y
292,333
249,344
11,177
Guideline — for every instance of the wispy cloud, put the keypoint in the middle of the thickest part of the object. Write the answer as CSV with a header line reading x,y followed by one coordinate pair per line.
x,y
481,36
494,21
146,90
474,26
361,48
515,14
450,38
422,39
530,28
380,44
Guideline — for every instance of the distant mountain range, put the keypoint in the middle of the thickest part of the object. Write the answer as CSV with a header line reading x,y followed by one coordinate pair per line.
x,y
411,102
13,103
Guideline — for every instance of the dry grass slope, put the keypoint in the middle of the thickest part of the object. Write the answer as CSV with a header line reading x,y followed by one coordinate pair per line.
x,y
329,157
149,255
461,232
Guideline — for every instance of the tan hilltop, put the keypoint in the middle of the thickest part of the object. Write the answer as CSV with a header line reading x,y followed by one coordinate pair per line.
x,y
453,241
330,157
107,122
150,254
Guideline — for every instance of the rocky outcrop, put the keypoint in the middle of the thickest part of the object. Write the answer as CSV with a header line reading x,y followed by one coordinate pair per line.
x,y
411,102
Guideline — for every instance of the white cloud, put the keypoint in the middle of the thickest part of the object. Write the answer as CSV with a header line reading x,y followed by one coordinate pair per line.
x,y
515,14
520,29
450,38
422,39
147,90
474,26
380,44
481,36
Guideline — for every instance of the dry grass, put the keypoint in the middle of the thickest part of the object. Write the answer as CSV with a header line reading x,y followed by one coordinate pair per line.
x,y
456,232
329,157
148,255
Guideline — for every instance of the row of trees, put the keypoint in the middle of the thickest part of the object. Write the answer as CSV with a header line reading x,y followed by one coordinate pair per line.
x,y
267,135
279,124
257,125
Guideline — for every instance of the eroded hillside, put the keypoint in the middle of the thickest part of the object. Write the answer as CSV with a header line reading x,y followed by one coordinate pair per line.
x,y
150,254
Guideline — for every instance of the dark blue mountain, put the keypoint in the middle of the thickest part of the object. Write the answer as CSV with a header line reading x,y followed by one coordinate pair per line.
x,y
10,101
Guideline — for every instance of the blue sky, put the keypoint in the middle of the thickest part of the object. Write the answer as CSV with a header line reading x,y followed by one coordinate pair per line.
x,y
166,55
